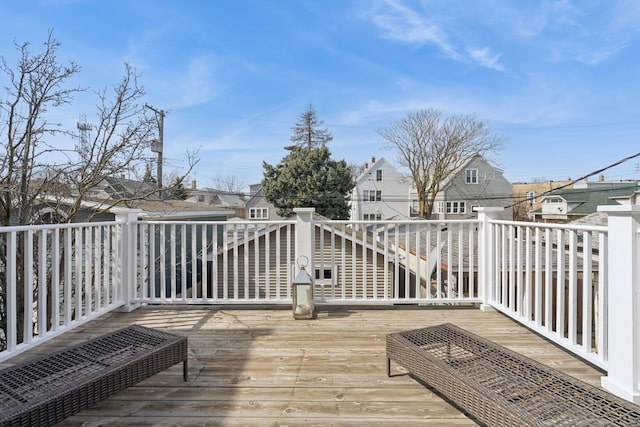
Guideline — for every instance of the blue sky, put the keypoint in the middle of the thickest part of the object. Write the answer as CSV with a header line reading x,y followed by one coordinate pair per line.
x,y
559,80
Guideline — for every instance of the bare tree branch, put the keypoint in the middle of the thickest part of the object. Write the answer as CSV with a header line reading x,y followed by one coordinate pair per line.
x,y
432,146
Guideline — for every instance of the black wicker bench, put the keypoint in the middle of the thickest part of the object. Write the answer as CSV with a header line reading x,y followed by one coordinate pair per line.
x,y
499,387
47,389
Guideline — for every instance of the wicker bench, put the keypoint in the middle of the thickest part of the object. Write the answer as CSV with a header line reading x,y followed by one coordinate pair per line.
x,y
499,387
47,389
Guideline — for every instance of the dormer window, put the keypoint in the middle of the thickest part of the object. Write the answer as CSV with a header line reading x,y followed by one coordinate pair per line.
x,y
471,176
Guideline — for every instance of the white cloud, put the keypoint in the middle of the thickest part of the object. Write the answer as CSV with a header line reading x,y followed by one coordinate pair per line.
x,y
486,58
431,26
401,23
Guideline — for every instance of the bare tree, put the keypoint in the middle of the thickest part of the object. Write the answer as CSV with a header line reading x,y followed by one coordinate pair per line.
x,y
38,170
120,140
229,183
432,146
36,85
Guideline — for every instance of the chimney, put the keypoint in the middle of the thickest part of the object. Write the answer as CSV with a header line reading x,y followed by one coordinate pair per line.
x,y
193,184
601,177
373,159
366,166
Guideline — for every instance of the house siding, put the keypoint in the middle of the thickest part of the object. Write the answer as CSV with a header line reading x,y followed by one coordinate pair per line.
x,y
394,190
492,189
258,200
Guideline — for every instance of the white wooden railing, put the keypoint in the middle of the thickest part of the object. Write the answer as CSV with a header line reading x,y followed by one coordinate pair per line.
x,y
554,279
55,277
549,278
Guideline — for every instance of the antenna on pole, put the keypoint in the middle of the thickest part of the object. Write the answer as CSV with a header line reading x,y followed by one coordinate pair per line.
x,y
158,144
84,127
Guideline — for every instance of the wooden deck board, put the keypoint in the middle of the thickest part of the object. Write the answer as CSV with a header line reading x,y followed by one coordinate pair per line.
x,y
261,367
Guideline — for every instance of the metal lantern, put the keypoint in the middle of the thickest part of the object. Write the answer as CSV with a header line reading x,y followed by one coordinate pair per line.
x,y
303,307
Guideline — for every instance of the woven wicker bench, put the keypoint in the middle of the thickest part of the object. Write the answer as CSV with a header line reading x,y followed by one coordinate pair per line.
x,y
499,387
47,389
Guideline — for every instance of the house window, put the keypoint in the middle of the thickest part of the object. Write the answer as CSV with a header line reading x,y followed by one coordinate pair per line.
x,y
531,197
414,209
372,217
259,213
456,207
379,175
471,176
372,195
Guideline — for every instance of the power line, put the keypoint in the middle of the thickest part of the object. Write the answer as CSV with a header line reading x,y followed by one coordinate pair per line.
x,y
572,182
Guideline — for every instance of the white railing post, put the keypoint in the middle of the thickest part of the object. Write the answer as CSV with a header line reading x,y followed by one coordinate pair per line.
x,y
623,302
127,257
485,254
305,237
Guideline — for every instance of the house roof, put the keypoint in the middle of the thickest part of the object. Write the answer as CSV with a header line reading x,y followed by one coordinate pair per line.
x,y
378,164
588,199
124,188
155,209
596,218
231,199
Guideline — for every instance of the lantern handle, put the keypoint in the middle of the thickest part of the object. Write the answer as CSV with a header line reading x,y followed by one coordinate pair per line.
x,y
302,262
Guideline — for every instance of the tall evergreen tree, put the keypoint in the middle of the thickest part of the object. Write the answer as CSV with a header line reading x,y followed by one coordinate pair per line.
x,y
306,133
309,178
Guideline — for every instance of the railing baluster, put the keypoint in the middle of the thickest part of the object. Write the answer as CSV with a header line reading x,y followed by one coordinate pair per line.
x,y
537,282
42,283
560,284
28,287
55,280
572,292
587,292
11,267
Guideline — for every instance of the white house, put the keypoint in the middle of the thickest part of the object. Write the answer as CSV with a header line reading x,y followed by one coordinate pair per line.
x,y
381,193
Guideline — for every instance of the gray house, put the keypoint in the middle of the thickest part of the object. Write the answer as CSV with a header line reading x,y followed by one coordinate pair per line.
x,y
257,207
475,183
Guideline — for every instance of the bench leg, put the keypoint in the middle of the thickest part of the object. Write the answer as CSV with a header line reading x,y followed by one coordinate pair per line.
x,y
185,370
388,367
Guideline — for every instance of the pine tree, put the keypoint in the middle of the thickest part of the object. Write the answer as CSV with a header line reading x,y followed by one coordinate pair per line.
x,y
306,133
309,178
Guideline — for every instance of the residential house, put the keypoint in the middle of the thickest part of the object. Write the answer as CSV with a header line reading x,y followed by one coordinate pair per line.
x,y
258,208
527,196
568,204
115,188
219,198
475,183
381,193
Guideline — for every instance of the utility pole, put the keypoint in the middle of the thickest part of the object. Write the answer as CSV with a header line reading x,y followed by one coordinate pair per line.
x,y
158,144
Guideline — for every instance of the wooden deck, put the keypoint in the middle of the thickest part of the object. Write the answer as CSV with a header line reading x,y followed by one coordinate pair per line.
x,y
261,367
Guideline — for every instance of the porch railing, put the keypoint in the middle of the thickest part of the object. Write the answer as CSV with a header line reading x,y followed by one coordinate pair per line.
x,y
55,277
554,279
